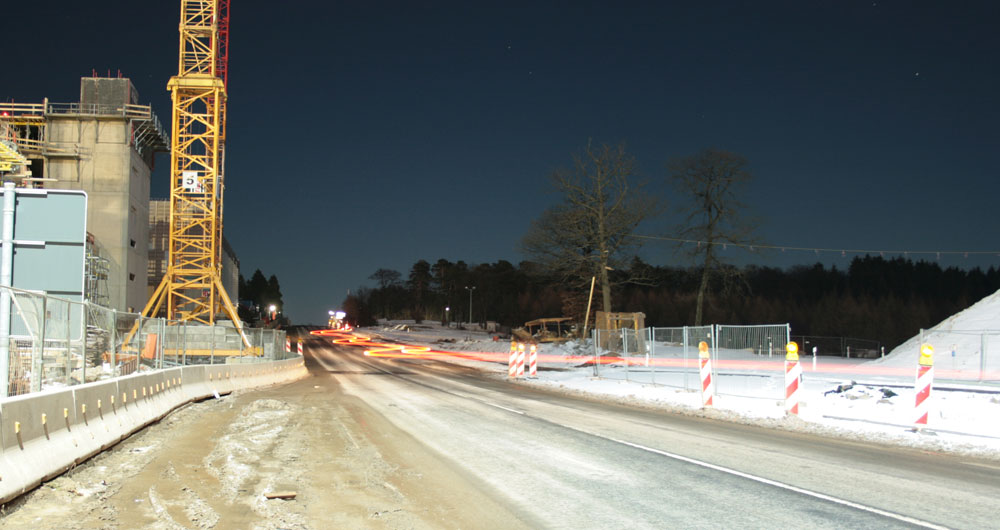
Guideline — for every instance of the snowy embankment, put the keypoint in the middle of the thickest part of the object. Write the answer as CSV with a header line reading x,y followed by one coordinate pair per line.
x,y
857,399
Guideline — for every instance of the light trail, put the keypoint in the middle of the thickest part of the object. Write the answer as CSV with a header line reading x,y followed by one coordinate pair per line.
x,y
776,365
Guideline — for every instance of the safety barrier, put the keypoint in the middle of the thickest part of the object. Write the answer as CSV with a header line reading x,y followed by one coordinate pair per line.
x,y
47,433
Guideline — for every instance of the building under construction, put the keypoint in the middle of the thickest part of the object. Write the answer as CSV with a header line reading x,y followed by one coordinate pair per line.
x,y
105,145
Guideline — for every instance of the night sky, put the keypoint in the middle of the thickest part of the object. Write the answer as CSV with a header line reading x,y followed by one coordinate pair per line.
x,y
366,135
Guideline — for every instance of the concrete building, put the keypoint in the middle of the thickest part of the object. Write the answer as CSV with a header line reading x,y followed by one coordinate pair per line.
x,y
105,145
159,238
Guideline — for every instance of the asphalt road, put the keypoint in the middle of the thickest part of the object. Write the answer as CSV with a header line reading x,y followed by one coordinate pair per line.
x,y
557,461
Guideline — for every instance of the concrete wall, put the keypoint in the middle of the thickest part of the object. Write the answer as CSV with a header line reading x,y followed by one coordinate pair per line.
x,y
117,183
44,434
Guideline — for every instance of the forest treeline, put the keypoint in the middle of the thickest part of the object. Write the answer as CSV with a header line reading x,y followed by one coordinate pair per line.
x,y
887,300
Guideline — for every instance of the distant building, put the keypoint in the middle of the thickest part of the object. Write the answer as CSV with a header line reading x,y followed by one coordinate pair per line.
x,y
105,145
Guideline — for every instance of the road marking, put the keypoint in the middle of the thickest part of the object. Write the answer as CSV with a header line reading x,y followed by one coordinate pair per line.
x,y
777,484
499,406
762,480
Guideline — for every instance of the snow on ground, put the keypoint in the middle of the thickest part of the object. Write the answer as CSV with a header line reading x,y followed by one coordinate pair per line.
x,y
959,340
850,398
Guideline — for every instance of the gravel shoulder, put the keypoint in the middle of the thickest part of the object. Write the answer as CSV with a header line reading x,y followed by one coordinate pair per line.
x,y
210,464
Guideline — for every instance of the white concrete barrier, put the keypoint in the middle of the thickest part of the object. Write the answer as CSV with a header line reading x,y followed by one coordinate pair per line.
x,y
44,434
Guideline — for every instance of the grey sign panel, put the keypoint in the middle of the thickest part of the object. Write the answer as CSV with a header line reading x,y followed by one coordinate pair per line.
x,y
50,232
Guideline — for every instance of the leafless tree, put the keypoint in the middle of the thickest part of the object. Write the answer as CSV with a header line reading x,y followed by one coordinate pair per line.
x,y
709,184
587,235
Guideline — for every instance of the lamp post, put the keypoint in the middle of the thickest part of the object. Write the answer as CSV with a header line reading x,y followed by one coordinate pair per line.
x,y
470,289
447,321
272,310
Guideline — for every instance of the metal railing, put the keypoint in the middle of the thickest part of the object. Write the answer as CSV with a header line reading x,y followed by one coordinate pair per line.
x,y
669,356
55,343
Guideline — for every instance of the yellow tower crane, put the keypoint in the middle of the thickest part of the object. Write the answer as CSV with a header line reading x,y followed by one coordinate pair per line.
x,y
192,286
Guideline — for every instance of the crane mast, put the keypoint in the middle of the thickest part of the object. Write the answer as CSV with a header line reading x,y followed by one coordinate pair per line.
x,y
192,289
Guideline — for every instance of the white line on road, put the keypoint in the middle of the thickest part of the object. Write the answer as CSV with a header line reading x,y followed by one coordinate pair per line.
x,y
762,480
500,407
777,484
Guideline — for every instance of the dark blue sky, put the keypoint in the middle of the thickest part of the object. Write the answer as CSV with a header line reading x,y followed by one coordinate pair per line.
x,y
365,135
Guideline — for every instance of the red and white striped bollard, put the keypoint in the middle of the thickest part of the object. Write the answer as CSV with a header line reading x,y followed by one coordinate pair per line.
x,y
793,372
288,345
533,361
300,346
512,361
925,378
705,369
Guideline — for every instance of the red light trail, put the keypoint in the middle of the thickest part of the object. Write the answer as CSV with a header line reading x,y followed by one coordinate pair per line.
x,y
407,351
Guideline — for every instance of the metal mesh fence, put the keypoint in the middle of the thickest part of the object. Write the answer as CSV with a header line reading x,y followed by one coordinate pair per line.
x,y
669,356
733,342
52,342
961,354
840,346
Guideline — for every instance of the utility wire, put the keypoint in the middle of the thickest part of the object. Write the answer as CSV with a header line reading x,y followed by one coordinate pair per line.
x,y
753,247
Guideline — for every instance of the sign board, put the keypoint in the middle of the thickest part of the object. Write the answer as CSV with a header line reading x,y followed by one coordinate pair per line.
x,y
50,234
191,182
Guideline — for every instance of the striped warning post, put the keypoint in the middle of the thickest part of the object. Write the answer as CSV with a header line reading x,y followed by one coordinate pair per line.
x,y
533,361
707,386
520,360
300,346
512,360
793,373
288,345
925,377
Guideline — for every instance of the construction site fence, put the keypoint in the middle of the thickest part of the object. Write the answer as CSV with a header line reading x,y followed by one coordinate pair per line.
x,y
53,343
848,347
960,351
639,355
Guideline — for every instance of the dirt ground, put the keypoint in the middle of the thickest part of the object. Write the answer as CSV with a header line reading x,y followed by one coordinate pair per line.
x,y
210,464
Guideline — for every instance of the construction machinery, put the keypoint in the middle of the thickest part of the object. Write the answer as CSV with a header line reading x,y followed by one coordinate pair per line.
x,y
192,288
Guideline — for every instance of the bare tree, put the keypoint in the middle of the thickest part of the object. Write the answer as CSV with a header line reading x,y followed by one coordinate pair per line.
x,y
709,183
385,277
587,234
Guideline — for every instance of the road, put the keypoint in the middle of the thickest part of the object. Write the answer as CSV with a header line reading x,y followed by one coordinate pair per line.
x,y
411,443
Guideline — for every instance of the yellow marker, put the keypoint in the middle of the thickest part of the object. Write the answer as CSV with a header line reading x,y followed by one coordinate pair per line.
x,y
143,392
65,413
99,401
927,355
703,350
135,393
124,397
44,419
83,408
17,427
792,351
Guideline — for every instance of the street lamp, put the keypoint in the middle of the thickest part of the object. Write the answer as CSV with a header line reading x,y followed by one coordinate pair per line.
x,y
470,289
447,321
272,309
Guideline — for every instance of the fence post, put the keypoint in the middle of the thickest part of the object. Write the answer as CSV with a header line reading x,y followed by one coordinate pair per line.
x,y
685,339
184,343
982,356
69,346
597,359
625,350
113,354
651,353
37,349
83,341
